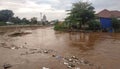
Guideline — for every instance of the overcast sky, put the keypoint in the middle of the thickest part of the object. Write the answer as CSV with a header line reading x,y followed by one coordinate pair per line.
x,y
53,9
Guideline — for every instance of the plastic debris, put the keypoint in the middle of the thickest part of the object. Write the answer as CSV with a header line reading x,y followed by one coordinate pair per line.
x,y
13,48
70,65
45,51
65,63
59,57
45,68
74,57
70,60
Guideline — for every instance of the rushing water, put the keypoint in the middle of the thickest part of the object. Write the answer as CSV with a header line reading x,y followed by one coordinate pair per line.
x,y
99,48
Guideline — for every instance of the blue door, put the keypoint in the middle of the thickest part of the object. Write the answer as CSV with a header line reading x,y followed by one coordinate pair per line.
x,y
106,24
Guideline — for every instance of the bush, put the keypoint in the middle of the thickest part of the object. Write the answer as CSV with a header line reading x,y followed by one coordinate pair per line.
x,y
94,25
116,24
60,26
2,23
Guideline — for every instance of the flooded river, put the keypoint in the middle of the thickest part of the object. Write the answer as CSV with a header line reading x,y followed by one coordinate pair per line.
x,y
44,47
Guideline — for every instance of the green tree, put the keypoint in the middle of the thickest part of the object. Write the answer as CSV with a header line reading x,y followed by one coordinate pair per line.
x,y
81,13
116,24
25,21
34,20
5,15
15,20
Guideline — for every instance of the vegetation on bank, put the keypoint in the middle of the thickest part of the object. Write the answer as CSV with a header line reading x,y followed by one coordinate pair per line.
x,y
82,17
7,18
116,24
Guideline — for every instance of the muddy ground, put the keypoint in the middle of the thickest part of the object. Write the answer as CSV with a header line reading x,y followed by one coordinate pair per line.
x,y
44,48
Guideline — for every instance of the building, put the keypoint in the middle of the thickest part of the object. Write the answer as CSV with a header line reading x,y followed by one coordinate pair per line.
x,y
105,17
44,20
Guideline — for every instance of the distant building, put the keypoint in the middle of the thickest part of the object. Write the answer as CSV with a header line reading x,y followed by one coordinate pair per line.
x,y
9,23
44,20
105,17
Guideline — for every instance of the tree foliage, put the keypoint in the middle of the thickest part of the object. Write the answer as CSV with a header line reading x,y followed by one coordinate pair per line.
x,y
15,20
5,15
34,20
81,12
25,21
116,24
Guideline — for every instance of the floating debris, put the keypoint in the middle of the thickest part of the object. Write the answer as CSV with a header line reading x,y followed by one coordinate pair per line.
x,y
74,57
45,51
6,66
12,47
70,65
53,55
70,60
32,49
15,34
66,63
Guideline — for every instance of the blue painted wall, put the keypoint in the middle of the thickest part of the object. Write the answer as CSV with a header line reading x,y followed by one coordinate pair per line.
x,y
106,23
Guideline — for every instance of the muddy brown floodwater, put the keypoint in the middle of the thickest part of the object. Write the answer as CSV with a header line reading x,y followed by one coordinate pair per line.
x,y
44,48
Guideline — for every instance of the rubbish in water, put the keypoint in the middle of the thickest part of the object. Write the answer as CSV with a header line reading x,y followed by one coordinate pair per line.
x,y
6,66
70,60
70,65
33,49
58,57
45,68
74,57
12,47
86,62
65,63
53,55
45,51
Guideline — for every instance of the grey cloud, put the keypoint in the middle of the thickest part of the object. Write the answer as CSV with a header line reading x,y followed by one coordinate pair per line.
x,y
58,4
31,8
106,4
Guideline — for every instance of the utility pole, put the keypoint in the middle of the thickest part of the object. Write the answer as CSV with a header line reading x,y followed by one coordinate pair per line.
x,y
41,16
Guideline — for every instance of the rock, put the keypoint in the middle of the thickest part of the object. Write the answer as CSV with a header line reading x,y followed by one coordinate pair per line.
x,y
6,66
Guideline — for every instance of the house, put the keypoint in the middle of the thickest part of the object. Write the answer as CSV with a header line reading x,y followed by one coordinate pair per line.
x,y
9,23
105,17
